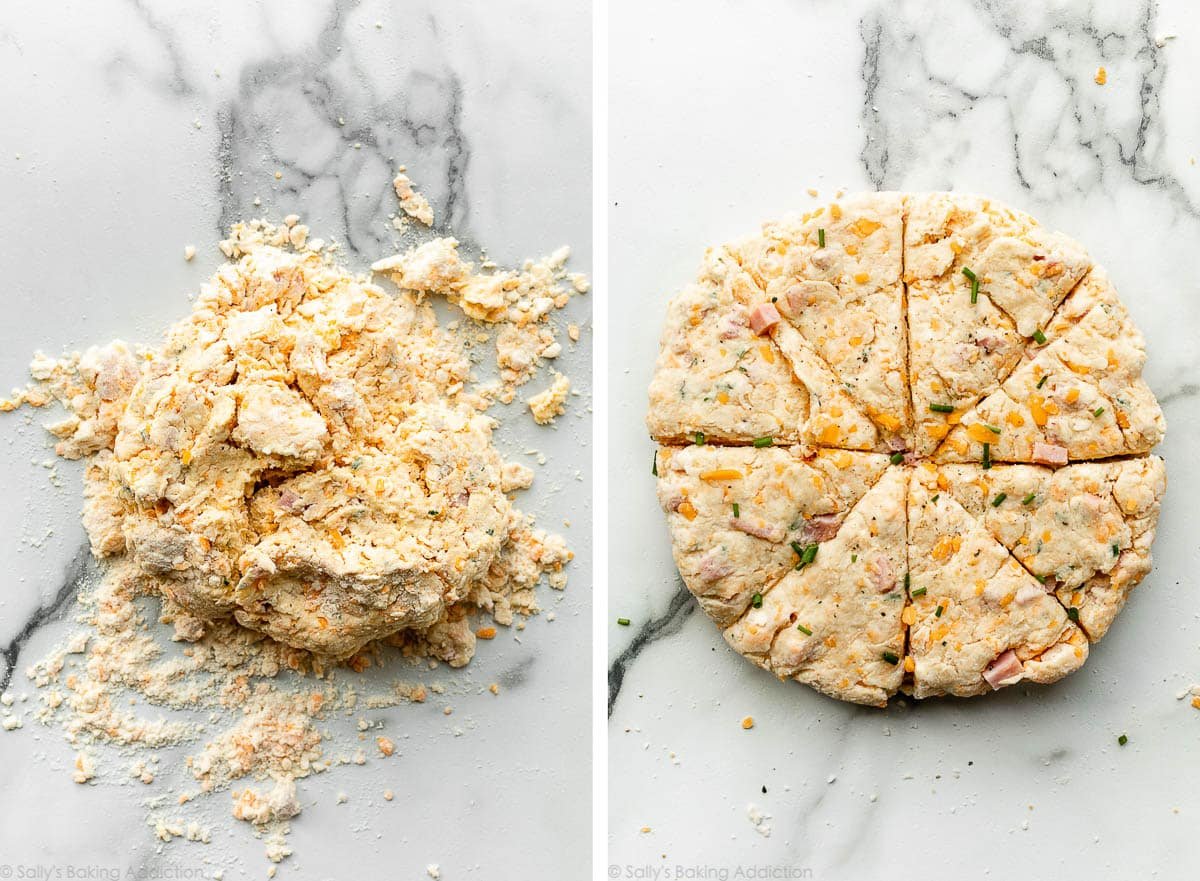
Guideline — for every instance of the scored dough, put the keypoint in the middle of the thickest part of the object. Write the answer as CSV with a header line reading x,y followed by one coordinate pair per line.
x,y
975,602
783,496
883,551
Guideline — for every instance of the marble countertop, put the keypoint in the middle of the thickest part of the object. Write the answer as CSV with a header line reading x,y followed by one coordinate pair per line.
x,y
752,105
135,128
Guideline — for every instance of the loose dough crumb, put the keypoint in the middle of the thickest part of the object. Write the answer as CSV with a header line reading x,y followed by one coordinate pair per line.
x,y
546,405
414,204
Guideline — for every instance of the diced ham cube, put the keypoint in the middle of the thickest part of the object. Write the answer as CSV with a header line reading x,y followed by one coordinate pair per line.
x,y
1049,454
1006,669
763,317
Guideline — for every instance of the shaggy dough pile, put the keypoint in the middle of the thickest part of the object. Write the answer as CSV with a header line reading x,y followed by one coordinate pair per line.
x,y
301,454
906,447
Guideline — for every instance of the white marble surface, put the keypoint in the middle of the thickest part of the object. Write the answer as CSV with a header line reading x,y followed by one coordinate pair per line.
x,y
134,128
723,113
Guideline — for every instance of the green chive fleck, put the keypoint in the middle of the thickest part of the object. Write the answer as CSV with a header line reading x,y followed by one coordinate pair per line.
x,y
699,438
624,622
1098,412
820,237
763,441
798,548
1042,381
974,284
854,558
999,500
891,657
941,408
756,601
654,467
935,497
737,510
1029,498
937,613
987,456
1039,338
993,429
907,580
1116,550
1073,614
1122,740
919,592
804,630
896,458
810,554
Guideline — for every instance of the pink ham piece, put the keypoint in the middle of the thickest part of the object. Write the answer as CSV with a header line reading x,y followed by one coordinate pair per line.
x,y
1029,593
763,317
883,575
1049,454
757,528
714,568
1006,669
820,528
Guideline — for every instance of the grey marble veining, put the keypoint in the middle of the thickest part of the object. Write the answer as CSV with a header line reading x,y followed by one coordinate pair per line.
x,y
752,105
139,126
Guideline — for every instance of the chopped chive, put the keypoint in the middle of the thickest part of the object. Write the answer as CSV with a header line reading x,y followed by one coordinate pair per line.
x,y
987,456
1098,412
654,467
935,497
941,408
1029,498
1122,740
804,630
1042,381
821,237
907,580
854,558
810,554
1116,550
999,500
763,441
798,548
1073,614
896,458
1039,338
698,437
1041,579
737,510
891,657
756,601
624,622
937,613
974,284
919,592
993,429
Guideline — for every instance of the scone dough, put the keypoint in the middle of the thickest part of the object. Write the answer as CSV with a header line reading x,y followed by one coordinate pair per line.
x,y
905,446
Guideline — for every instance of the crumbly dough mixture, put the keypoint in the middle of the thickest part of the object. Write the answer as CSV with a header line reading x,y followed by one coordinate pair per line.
x,y
906,446
302,476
